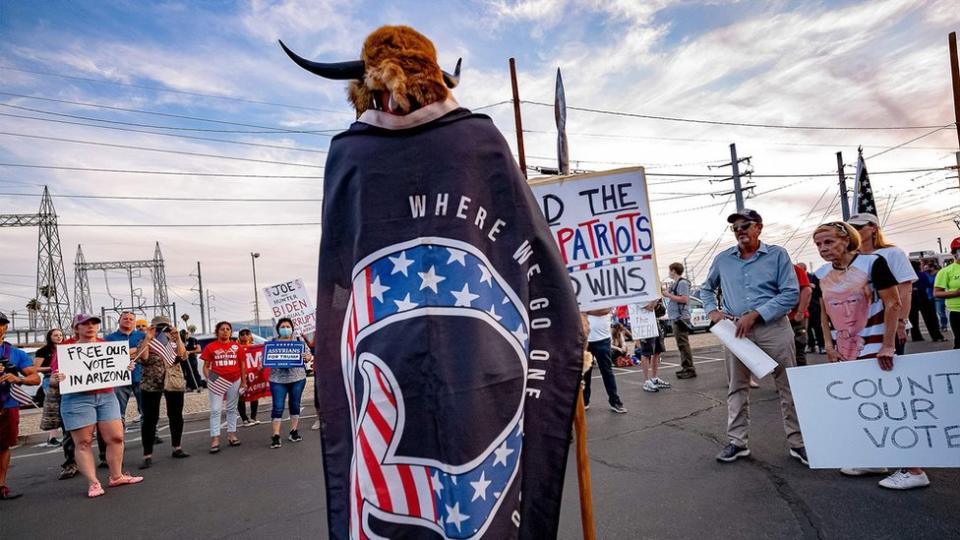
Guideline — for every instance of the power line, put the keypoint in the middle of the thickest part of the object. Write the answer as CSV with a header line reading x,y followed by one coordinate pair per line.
x,y
227,141
169,90
725,123
189,225
161,150
167,115
152,199
158,126
169,173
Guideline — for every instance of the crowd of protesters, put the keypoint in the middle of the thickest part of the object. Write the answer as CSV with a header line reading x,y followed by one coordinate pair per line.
x,y
859,305
163,367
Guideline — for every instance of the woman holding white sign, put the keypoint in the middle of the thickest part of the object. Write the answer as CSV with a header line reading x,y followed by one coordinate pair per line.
x,y
862,306
84,411
287,382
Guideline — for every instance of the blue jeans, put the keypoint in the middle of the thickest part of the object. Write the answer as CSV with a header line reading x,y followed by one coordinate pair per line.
x,y
280,391
601,354
941,305
124,393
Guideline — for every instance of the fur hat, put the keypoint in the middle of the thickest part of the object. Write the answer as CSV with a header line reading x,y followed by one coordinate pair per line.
x,y
398,72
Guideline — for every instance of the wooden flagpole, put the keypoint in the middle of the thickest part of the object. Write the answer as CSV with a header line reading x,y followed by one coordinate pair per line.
x,y
583,458
522,158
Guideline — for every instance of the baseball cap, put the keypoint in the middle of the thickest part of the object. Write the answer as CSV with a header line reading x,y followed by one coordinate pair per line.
x,y
160,319
84,317
863,218
747,214
3,318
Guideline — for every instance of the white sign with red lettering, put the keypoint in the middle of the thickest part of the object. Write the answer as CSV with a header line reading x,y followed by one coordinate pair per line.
x,y
290,299
601,223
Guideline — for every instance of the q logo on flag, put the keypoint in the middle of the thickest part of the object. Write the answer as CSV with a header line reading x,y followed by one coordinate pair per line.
x,y
434,354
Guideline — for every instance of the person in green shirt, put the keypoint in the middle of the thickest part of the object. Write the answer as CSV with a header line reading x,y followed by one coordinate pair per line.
x,y
947,286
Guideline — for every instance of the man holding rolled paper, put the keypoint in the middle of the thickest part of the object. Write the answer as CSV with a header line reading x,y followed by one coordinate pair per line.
x,y
759,287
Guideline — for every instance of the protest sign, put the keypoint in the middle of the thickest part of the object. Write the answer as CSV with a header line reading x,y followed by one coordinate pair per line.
x,y
601,223
290,299
643,323
758,362
258,377
92,366
853,414
283,354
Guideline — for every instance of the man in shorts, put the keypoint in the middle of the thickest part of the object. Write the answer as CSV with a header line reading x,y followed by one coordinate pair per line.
x,y
16,367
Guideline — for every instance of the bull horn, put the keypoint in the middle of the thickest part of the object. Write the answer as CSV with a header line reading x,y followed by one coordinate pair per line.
x,y
341,71
453,80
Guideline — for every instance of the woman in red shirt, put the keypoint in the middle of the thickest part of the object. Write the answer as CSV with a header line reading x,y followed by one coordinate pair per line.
x,y
224,367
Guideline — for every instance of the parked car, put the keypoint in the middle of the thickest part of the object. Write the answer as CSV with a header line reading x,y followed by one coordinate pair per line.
x,y
698,316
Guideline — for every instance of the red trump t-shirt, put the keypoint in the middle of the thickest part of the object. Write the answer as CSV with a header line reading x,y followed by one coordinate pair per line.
x,y
224,358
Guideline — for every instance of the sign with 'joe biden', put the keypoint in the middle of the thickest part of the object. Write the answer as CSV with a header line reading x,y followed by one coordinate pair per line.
x,y
853,414
601,223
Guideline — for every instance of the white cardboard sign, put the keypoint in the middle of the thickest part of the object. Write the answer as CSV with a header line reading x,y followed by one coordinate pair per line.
x,y
290,299
601,223
758,362
643,323
93,366
853,414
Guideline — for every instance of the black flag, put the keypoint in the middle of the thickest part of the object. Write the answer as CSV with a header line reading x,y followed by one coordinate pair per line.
x,y
448,339
865,201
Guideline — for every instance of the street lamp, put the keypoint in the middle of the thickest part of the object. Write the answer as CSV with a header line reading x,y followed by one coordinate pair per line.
x,y
256,299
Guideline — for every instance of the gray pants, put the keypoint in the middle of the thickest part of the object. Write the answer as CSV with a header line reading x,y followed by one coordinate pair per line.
x,y
682,334
776,339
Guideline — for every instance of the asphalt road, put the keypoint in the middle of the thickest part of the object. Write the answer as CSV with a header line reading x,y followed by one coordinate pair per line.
x,y
654,476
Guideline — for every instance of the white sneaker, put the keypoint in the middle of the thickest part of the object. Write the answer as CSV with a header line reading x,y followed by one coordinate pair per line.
x,y
660,383
315,426
650,386
904,480
858,471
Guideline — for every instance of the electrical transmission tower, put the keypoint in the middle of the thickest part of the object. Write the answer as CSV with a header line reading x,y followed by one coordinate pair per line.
x,y
161,303
51,301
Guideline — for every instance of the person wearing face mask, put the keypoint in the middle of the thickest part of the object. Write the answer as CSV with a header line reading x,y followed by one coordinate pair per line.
x,y
162,376
284,383
946,286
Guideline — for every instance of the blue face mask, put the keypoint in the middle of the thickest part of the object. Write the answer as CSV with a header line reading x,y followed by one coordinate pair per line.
x,y
286,332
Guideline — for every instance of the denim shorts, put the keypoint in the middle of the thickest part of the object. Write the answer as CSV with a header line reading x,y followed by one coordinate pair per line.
x,y
86,409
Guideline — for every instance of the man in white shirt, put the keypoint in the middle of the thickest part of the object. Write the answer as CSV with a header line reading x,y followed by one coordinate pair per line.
x,y
598,344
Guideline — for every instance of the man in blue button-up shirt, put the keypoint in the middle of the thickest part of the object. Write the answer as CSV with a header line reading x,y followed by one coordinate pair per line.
x,y
759,287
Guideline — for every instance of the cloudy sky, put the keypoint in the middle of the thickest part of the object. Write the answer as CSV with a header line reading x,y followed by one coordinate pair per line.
x,y
187,87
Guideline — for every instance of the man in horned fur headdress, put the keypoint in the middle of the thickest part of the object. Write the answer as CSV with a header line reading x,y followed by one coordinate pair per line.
x,y
448,339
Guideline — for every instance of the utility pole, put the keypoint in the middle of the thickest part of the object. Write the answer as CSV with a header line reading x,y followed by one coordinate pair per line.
x,y
939,245
738,189
844,203
203,312
955,77
210,308
256,291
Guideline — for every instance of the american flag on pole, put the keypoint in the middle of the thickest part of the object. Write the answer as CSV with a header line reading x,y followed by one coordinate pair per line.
x,y
22,397
865,200
217,385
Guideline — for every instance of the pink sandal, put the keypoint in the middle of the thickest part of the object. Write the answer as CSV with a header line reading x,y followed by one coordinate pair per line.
x,y
125,479
95,490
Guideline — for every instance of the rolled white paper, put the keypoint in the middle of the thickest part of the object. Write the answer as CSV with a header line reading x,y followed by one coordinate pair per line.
x,y
758,362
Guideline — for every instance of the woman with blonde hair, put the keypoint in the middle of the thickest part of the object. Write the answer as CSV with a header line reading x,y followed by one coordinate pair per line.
x,y
862,301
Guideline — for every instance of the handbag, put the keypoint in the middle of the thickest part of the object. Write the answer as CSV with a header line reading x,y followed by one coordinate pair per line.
x,y
50,418
659,311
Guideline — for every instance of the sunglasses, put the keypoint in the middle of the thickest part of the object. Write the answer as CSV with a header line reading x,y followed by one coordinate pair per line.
x,y
741,227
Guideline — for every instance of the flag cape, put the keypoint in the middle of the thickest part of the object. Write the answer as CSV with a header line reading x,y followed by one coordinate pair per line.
x,y
448,340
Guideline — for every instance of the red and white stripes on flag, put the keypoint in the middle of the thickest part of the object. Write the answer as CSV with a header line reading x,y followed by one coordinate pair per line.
x,y
22,397
163,351
218,385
